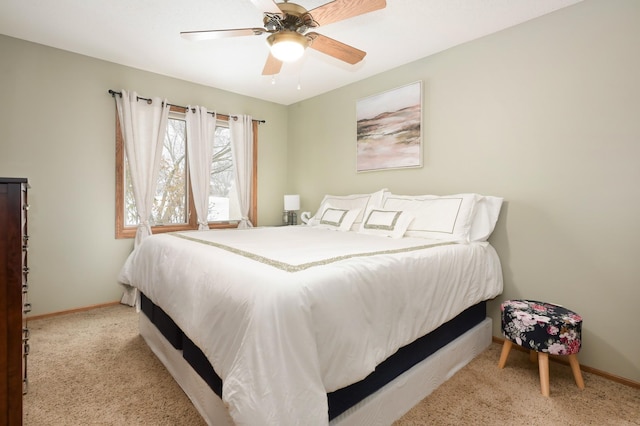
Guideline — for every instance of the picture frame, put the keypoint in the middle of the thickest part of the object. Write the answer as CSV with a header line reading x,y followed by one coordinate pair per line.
x,y
389,129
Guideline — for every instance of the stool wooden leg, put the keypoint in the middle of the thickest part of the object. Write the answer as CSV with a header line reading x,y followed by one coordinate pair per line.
x,y
505,353
543,367
533,356
575,368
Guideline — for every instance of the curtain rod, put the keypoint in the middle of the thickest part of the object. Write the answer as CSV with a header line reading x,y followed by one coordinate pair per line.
x,y
113,93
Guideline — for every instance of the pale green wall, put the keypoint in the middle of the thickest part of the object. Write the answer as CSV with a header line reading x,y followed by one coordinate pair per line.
x,y
57,128
546,115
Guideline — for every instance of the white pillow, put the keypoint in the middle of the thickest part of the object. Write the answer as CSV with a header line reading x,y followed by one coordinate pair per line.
x,y
349,202
338,219
439,217
485,217
387,223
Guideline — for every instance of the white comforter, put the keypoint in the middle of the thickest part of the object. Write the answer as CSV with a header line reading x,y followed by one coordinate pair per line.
x,y
287,314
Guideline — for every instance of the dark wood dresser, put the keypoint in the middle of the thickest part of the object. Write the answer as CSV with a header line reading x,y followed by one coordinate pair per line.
x,y
14,334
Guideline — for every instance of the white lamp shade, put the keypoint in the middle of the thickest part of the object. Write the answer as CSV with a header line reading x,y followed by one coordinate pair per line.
x,y
287,51
291,202
287,46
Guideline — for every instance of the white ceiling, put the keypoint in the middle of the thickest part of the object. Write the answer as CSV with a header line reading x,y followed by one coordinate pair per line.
x,y
144,34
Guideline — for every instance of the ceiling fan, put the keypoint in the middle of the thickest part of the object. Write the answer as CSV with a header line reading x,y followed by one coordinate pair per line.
x,y
287,25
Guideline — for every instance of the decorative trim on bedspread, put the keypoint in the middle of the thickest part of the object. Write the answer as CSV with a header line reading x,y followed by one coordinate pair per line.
x,y
287,267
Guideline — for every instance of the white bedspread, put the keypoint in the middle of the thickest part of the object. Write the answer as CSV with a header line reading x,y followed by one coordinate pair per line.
x,y
287,314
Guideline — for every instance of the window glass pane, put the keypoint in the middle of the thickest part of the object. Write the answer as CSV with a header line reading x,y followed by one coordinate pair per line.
x,y
223,204
170,201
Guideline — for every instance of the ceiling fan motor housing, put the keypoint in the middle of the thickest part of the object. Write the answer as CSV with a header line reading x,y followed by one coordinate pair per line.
x,y
293,18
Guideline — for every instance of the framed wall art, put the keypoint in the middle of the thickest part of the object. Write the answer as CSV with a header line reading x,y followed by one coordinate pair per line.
x,y
389,134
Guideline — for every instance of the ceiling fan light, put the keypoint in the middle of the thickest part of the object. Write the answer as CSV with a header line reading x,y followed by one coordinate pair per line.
x,y
287,46
287,51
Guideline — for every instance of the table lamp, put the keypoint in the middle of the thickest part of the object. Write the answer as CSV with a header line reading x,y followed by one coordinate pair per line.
x,y
291,205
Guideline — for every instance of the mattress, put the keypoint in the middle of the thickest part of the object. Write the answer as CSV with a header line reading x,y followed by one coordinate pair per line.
x,y
318,309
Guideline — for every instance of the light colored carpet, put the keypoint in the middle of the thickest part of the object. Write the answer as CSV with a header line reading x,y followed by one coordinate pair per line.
x,y
92,368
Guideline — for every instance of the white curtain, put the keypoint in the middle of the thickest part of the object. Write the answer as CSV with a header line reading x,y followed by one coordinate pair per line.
x,y
143,125
201,127
241,130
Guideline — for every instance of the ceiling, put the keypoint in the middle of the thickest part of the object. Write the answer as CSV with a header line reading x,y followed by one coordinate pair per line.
x,y
144,34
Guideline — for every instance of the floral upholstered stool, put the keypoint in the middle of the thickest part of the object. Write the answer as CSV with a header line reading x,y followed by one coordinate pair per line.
x,y
544,329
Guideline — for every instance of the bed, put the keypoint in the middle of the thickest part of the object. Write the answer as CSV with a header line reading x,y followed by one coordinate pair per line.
x,y
320,323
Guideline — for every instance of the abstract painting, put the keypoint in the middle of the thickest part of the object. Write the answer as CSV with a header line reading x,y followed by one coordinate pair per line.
x,y
390,129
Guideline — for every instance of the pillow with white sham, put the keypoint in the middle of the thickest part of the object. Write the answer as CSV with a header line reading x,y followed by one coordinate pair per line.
x,y
438,217
349,202
338,219
485,217
386,223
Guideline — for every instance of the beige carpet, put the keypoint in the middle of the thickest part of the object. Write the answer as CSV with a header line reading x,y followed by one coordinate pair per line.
x,y
92,368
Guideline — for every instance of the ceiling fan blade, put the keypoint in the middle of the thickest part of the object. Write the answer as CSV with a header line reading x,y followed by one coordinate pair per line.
x,y
272,66
338,50
339,10
267,6
213,34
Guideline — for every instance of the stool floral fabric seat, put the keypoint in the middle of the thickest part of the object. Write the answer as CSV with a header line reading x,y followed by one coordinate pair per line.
x,y
544,329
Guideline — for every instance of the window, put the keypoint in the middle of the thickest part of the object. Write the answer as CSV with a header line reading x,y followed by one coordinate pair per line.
x,y
223,202
173,204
